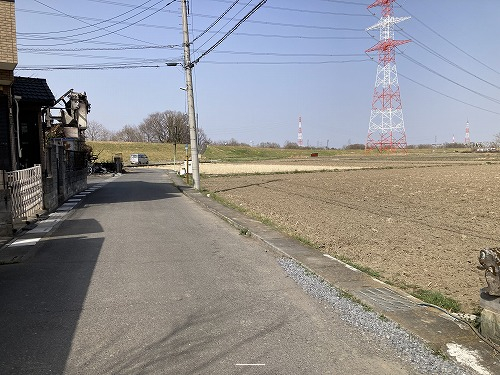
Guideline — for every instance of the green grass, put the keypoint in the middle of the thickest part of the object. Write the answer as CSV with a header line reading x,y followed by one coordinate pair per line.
x,y
428,296
436,298
164,152
246,153
160,153
157,152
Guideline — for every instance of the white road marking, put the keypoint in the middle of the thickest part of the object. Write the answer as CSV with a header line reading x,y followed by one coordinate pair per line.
x,y
27,242
41,229
250,364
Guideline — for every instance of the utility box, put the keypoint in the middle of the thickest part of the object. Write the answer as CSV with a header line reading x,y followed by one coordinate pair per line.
x,y
118,159
189,167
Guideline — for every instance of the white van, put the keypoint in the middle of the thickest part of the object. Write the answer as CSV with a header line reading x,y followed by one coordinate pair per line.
x,y
139,159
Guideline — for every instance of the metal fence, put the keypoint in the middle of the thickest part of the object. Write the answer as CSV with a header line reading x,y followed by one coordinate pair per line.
x,y
26,191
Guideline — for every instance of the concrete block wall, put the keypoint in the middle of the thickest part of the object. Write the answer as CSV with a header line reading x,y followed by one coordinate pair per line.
x,y
5,213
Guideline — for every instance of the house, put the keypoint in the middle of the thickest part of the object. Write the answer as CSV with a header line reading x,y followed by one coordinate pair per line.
x,y
31,96
43,158
8,62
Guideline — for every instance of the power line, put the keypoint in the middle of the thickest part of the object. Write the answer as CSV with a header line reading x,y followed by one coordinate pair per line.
x,y
285,62
85,27
266,7
51,50
452,63
216,21
227,23
111,32
76,18
85,67
449,79
448,41
298,25
447,96
254,9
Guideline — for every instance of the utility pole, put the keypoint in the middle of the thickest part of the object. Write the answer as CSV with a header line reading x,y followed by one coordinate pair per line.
x,y
188,66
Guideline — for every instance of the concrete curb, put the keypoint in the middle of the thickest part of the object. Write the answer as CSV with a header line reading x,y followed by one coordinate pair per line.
x,y
436,328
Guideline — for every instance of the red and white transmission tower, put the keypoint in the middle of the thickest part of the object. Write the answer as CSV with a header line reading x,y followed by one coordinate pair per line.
x,y
467,133
386,130
299,138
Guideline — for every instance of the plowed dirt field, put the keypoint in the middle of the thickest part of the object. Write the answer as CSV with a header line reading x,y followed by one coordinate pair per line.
x,y
416,222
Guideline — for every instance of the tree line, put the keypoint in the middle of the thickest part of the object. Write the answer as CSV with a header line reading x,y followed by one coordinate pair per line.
x,y
158,127
173,127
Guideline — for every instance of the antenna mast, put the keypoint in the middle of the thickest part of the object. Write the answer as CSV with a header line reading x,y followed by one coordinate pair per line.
x,y
467,134
299,139
386,130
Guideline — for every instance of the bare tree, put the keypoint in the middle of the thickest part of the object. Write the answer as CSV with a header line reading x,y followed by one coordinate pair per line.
x,y
155,127
97,132
497,139
129,133
178,127
269,145
203,141
163,127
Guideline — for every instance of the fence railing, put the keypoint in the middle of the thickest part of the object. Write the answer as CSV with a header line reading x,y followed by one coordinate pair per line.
x,y
26,191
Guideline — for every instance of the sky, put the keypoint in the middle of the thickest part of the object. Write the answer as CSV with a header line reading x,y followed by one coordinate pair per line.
x,y
288,59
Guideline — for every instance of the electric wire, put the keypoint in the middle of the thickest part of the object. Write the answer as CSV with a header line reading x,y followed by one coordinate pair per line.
x,y
430,50
85,27
267,7
220,30
216,21
445,59
284,62
36,50
112,32
254,9
24,36
132,47
406,56
446,95
305,10
448,41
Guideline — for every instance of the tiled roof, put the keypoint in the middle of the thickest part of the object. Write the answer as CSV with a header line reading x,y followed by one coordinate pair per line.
x,y
33,90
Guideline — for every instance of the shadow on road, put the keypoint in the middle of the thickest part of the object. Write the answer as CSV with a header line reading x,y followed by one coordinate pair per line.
x,y
133,191
41,303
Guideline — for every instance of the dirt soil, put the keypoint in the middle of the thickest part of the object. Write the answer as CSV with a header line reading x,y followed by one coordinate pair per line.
x,y
419,223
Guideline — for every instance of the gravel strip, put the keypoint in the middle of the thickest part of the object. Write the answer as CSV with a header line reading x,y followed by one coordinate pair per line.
x,y
409,348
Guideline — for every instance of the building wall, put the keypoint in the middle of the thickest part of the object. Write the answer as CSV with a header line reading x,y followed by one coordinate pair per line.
x,y
8,45
8,61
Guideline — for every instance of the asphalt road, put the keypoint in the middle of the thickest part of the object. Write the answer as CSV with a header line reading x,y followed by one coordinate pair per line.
x,y
139,279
